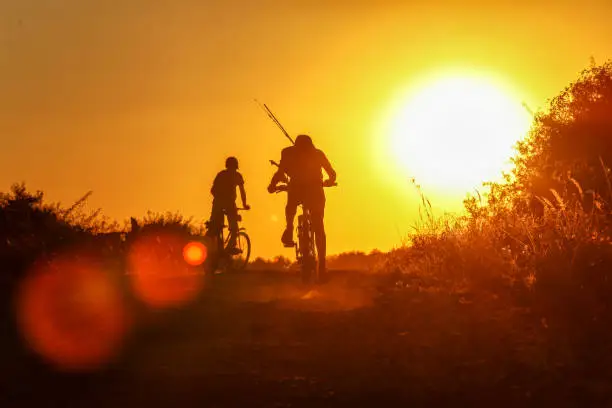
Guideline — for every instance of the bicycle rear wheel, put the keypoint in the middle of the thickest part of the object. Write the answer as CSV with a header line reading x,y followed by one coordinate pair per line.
x,y
309,268
308,262
243,243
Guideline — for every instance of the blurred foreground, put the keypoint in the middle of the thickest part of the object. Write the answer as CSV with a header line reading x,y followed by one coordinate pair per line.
x,y
258,339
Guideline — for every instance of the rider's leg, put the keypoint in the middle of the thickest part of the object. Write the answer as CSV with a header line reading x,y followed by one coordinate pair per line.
x,y
318,228
317,212
216,220
232,221
290,210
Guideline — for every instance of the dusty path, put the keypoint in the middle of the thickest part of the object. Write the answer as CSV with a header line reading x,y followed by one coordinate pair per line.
x,y
252,341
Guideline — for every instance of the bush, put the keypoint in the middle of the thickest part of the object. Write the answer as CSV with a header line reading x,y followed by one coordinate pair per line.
x,y
543,236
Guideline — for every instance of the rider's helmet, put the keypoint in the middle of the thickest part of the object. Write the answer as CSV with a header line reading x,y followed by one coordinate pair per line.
x,y
231,163
303,142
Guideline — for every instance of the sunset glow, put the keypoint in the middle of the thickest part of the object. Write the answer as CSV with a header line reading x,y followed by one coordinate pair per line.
x,y
453,133
142,103
288,203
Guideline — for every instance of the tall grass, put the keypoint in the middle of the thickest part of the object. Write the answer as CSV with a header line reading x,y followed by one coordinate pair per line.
x,y
557,262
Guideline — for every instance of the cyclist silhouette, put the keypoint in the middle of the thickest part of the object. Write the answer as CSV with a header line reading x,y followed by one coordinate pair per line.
x,y
302,163
224,201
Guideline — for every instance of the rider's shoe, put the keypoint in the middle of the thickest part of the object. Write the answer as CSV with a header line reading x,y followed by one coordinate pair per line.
x,y
287,238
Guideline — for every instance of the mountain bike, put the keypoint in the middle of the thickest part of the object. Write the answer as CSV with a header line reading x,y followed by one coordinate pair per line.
x,y
305,248
223,258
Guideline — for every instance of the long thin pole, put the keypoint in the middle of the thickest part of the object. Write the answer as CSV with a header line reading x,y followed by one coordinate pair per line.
x,y
275,120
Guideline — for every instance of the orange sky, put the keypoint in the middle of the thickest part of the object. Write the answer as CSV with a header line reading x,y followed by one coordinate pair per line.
x,y
141,101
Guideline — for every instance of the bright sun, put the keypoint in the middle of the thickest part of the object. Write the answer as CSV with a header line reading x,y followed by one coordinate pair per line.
x,y
456,132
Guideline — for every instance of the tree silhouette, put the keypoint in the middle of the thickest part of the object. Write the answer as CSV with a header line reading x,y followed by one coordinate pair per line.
x,y
569,147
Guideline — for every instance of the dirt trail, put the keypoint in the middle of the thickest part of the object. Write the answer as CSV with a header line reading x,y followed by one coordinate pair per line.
x,y
256,340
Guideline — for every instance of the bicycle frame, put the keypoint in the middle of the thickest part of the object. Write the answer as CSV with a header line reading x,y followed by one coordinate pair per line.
x,y
222,239
305,248
305,251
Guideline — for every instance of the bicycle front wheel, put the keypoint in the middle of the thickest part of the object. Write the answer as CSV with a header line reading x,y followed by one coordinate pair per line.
x,y
241,259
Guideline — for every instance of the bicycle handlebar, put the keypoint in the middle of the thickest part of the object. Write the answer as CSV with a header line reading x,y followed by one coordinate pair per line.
x,y
284,187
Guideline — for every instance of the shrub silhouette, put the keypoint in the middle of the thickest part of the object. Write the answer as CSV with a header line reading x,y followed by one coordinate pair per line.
x,y
29,227
168,221
544,235
570,143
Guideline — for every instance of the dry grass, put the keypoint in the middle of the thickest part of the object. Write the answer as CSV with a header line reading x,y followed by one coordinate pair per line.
x,y
557,263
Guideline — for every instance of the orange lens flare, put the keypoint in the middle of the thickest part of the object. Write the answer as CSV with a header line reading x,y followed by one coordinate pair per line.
x,y
159,274
194,253
70,312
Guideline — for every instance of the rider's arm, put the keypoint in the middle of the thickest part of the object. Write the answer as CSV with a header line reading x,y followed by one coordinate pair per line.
x,y
278,177
331,173
213,188
242,190
243,195
282,165
281,173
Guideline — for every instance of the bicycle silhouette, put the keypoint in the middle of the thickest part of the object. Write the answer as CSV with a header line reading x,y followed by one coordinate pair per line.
x,y
305,248
224,258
